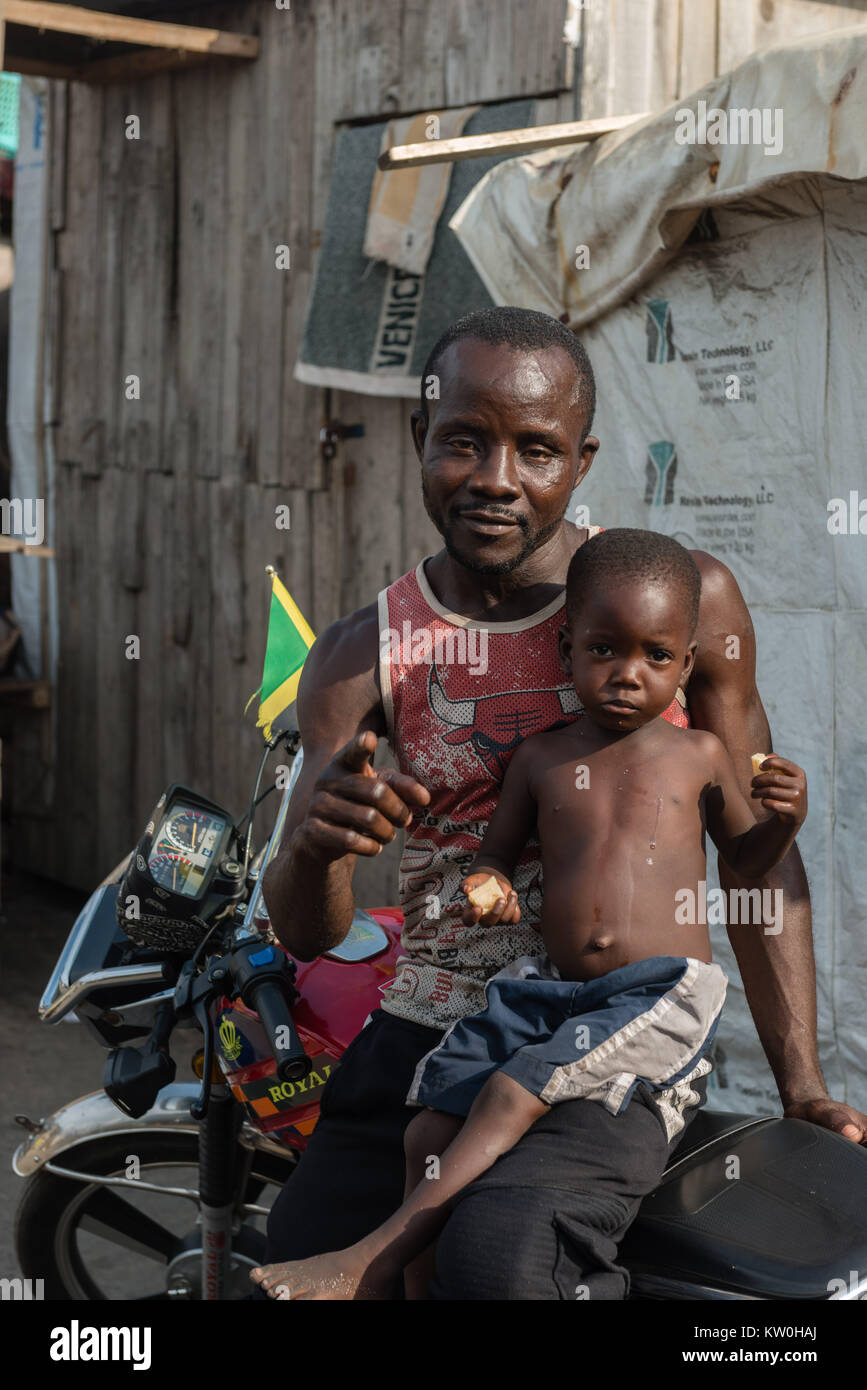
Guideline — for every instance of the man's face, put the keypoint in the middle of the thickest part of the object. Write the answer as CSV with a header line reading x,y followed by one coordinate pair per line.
x,y
501,453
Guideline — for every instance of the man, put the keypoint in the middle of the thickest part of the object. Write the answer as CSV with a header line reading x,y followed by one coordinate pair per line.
x,y
502,447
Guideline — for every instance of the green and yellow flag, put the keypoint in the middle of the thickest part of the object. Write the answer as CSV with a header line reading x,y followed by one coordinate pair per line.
x,y
290,638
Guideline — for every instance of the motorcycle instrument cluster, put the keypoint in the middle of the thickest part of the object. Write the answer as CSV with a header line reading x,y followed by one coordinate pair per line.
x,y
181,872
183,850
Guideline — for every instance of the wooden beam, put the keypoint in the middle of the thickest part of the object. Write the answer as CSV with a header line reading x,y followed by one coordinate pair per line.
x,y
11,545
25,694
503,142
148,33
125,67
145,62
35,67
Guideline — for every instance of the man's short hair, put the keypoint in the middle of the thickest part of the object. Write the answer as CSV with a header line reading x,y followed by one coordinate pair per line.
x,y
523,330
626,553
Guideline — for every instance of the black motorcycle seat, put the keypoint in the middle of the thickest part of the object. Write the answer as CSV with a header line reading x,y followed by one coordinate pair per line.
x,y
752,1207
709,1125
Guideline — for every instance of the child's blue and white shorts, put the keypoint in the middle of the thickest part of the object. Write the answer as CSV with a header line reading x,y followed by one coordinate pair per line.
x,y
652,1021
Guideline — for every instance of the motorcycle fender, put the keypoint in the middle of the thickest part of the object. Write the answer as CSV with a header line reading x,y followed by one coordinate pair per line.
x,y
95,1116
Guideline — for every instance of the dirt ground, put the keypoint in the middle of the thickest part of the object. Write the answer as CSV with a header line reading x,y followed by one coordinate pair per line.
x,y
43,1067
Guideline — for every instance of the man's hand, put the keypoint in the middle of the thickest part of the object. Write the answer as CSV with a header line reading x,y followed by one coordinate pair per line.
x,y
354,809
831,1114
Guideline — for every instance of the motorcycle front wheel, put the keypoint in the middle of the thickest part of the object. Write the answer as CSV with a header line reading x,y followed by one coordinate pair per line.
x,y
93,1243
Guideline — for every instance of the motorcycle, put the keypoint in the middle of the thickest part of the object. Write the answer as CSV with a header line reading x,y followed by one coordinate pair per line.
x,y
152,1188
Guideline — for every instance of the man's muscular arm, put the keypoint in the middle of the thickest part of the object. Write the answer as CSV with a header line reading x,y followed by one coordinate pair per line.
x,y
340,807
778,971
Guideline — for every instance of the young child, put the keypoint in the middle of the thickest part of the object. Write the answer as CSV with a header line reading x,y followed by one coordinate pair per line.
x,y
627,991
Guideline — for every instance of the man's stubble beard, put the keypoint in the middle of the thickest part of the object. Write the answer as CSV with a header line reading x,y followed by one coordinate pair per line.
x,y
470,562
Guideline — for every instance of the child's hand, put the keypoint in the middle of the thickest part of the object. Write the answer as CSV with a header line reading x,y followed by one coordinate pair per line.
x,y
781,787
504,910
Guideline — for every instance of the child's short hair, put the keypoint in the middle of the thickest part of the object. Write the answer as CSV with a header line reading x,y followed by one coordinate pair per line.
x,y
625,552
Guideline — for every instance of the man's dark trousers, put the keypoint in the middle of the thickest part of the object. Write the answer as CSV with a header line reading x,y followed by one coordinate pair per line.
x,y
543,1223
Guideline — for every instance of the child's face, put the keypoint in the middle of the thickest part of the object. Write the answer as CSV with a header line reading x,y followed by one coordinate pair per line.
x,y
627,652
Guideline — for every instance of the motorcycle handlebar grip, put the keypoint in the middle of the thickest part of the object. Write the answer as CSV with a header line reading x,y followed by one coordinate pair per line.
x,y
269,1001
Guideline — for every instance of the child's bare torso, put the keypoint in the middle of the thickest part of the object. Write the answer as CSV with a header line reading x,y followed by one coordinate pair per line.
x,y
621,827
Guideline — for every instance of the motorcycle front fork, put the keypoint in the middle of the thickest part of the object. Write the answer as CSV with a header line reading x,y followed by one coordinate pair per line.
x,y
218,1174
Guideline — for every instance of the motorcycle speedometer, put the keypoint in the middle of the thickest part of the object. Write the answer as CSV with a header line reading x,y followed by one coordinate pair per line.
x,y
185,847
183,870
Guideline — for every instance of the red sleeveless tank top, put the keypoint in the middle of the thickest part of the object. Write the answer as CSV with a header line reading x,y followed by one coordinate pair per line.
x,y
459,696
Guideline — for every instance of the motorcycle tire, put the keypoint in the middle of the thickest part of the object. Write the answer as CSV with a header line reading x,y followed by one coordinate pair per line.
x,y
54,1212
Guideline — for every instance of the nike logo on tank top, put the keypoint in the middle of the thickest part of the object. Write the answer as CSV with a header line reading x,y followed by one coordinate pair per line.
x,y
454,720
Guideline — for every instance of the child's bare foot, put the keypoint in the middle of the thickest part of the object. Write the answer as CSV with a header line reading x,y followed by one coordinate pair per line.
x,y
344,1274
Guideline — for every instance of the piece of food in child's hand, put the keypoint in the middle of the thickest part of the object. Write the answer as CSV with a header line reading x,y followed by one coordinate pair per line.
x,y
757,759
487,894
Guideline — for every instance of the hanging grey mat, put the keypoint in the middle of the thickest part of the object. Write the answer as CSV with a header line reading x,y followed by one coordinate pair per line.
x,y
369,326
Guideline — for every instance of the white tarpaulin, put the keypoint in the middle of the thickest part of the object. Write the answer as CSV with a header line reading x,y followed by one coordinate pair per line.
x,y
723,310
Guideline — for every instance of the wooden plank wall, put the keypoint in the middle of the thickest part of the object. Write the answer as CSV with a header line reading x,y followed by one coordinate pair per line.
x,y
164,252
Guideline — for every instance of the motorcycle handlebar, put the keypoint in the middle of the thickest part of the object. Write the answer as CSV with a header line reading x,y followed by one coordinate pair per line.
x,y
269,1001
